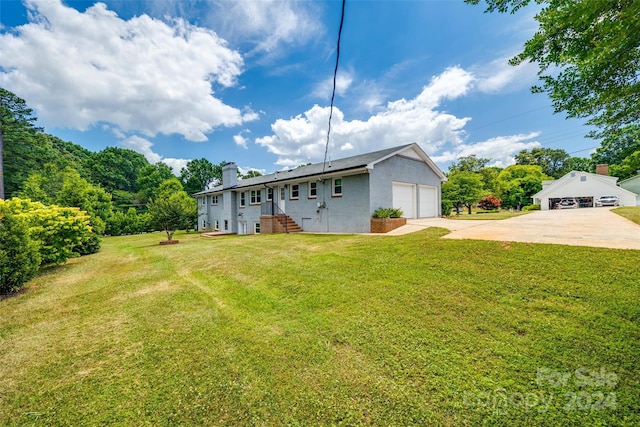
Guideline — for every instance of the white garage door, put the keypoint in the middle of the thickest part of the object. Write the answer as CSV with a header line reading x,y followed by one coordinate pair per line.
x,y
404,197
428,202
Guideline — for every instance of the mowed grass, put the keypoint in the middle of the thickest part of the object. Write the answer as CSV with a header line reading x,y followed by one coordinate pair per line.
x,y
325,330
632,213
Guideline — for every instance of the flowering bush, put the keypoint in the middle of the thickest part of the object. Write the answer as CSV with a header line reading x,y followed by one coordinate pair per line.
x,y
489,203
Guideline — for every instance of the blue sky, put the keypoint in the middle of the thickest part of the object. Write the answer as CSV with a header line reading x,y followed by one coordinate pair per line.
x,y
250,82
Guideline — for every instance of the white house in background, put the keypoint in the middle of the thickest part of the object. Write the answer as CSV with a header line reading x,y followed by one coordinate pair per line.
x,y
583,186
632,184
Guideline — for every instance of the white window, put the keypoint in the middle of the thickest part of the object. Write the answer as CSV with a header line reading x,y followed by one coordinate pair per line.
x,y
313,189
337,187
243,199
214,200
216,226
204,200
226,225
269,194
256,227
255,197
295,192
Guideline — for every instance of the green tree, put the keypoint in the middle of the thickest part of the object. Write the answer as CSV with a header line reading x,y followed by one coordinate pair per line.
x,y
552,161
16,127
618,146
518,183
173,209
149,179
629,167
462,188
588,56
470,163
579,164
19,254
251,173
117,169
198,174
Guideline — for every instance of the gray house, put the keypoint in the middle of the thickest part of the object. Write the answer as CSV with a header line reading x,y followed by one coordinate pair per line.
x,y
339,196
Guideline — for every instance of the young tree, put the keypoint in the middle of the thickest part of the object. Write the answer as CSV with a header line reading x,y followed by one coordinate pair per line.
x,y
595,46
463,188
173,209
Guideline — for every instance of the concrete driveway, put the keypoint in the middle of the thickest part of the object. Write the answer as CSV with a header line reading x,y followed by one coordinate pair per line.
x,y
579,227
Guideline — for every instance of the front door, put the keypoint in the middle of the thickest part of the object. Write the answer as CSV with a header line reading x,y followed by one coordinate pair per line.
x,y
281,198
243,228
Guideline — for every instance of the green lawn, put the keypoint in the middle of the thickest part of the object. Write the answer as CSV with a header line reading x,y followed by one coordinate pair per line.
x,y
503,214
630,212
325,330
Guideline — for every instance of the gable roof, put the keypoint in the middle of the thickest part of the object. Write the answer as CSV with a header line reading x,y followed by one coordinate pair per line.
x,y
554,185
362,161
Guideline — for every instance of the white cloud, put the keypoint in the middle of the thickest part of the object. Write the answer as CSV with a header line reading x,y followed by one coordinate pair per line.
x,y
240,140
81,69
323,90
500,150
143,146
499,76
302,138
266,25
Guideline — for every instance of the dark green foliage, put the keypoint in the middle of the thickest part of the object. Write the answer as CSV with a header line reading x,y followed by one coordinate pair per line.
x,y
387,213
463,188
174,209
149,179
116,168
131,222
552,161
19,255
198,174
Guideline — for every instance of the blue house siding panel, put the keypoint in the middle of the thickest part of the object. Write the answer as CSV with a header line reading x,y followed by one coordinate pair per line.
x,y
400,169
348,213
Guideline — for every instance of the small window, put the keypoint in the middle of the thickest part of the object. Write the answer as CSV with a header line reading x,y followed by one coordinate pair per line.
x,y
313,189
255,197
281,193
243,199
337,187
214,200
583,178
216,226
269,194
204,224
256,227
204,200
226,225
295,191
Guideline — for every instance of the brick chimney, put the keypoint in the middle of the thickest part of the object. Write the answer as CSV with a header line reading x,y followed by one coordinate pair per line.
x,y
229,175
602,170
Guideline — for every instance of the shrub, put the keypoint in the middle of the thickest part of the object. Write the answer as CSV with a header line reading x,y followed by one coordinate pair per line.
x,y
531,208
19,255
387,213
489,203
61,232
447,207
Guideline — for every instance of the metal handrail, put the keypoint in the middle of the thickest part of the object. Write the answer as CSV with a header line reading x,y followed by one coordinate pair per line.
x,y
271,208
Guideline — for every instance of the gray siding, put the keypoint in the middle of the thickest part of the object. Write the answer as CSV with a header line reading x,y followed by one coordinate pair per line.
x,y
399,169
345,214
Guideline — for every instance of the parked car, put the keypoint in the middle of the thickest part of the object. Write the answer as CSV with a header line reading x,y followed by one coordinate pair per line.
x,y
607,201
568,203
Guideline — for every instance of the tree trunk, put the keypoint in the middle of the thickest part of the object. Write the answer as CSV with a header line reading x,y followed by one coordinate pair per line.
x,y
469,208
170,234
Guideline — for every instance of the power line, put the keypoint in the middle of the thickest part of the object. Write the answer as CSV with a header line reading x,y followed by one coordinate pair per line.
x,y
333,93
